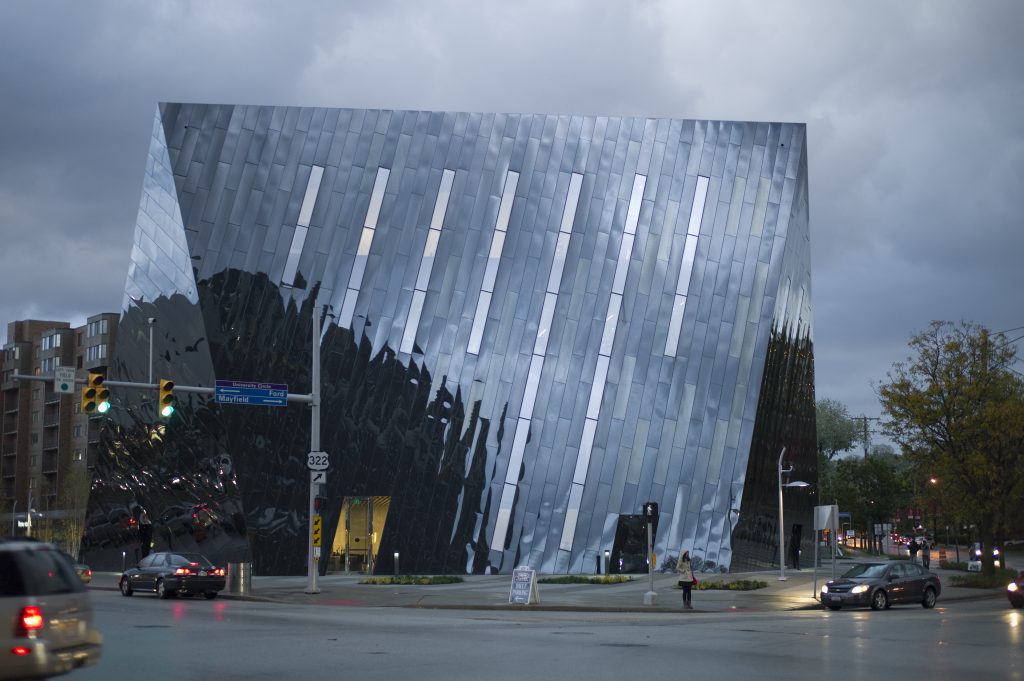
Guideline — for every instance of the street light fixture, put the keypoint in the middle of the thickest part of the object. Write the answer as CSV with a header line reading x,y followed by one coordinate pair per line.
x,y
782,541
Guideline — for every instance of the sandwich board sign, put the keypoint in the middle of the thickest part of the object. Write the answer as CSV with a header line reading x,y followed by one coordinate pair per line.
x,y
524,586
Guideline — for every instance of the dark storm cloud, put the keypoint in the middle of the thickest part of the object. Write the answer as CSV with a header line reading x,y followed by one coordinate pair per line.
x,y
913,108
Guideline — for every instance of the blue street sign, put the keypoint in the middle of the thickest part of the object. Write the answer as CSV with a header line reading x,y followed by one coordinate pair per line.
x,y
251,392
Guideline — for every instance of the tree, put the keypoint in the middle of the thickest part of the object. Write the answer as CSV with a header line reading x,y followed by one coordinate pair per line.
x,y
869,489
837,432
957,409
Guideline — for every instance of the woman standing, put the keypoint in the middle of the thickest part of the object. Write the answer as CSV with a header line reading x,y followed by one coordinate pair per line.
x,y
685,571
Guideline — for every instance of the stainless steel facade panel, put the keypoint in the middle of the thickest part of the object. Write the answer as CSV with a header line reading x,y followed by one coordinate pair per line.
x,y
535,324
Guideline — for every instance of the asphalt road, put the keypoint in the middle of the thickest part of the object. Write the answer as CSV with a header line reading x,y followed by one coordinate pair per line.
x,y
224,640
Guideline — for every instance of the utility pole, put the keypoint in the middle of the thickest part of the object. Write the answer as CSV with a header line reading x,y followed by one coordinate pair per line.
x,y
865,419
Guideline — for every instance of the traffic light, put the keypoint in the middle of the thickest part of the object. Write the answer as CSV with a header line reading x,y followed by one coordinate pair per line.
x,y
651,511
166,401
319,504
95,395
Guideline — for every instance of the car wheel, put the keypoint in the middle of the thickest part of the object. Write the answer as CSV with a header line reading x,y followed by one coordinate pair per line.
x,y
210,594
879,600
161,589
126,587
929,598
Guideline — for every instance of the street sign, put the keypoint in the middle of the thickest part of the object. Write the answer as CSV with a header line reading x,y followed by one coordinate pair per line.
x,y
317,461
318,477
251,392
317,529
64,380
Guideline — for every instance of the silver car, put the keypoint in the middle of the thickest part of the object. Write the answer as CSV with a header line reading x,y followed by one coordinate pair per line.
x,y
46,622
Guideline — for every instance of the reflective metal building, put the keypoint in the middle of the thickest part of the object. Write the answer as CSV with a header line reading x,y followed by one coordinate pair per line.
x,y
534,325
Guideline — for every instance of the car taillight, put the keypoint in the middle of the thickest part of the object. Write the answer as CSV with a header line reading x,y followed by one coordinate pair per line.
x,y
219,572
88,573
31,620
182,571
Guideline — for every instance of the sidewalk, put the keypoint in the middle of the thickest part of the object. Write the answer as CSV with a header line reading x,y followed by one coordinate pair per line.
x,y
491,592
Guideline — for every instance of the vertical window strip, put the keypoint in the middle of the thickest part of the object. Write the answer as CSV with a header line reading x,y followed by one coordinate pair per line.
x,y
419,293
597,386
291,265
508,491
355,279
483,305
675,324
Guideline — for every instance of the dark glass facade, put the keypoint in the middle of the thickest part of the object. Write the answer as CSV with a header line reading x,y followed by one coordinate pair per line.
x,y
532,325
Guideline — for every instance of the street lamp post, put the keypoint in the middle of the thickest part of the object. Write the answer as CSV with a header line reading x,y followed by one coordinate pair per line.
x,y
782,540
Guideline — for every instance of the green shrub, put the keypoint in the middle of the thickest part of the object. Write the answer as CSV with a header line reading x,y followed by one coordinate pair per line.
x,y
738,585
979,580
580,579
412,579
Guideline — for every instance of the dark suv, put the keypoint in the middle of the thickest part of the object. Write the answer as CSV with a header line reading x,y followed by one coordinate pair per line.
x,y
46,623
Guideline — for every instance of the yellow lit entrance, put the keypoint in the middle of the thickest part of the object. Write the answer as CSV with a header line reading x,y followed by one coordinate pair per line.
x,y
359,533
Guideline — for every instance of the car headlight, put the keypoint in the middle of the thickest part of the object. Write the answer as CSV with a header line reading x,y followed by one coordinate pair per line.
x,y
995,552
859,589
824,589
1012,586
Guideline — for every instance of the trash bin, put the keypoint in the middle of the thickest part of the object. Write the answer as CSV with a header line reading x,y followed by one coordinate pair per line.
x,y
239,578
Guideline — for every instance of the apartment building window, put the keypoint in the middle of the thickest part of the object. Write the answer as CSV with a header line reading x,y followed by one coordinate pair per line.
x,y
37,394
77,430
97,327
34,438
79,455
95,352
8,375
35,416
33,461
51,342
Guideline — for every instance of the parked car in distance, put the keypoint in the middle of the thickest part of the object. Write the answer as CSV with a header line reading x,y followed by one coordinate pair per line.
x,y
882,584
84,572
1015,591
46,613
169,574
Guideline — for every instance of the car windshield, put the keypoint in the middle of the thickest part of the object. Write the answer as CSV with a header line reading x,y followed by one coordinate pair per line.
x,y
866,570
189,558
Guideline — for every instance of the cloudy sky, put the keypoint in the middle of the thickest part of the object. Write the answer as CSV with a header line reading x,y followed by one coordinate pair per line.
x,y
915,114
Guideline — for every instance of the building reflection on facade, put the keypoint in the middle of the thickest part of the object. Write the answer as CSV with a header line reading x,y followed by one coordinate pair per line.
x,y
532,326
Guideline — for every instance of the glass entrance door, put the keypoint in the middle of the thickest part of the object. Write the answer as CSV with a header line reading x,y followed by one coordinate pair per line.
x,y
359,532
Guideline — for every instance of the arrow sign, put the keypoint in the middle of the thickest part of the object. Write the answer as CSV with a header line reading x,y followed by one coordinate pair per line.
x,y
251,392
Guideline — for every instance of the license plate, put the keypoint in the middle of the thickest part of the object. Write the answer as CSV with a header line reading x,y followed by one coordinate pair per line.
x,y
835,599
202,573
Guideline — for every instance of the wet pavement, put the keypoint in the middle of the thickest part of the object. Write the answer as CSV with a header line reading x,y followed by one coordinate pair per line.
x,y
491,592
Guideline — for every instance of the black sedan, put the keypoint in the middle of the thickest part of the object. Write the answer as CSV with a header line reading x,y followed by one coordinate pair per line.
x,y
1015,591
169,574
882,584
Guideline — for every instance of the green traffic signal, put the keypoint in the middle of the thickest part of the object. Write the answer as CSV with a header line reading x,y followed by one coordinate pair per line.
x,y
166,400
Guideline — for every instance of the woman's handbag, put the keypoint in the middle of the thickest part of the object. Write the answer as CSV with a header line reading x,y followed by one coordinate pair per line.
x,y
694,579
